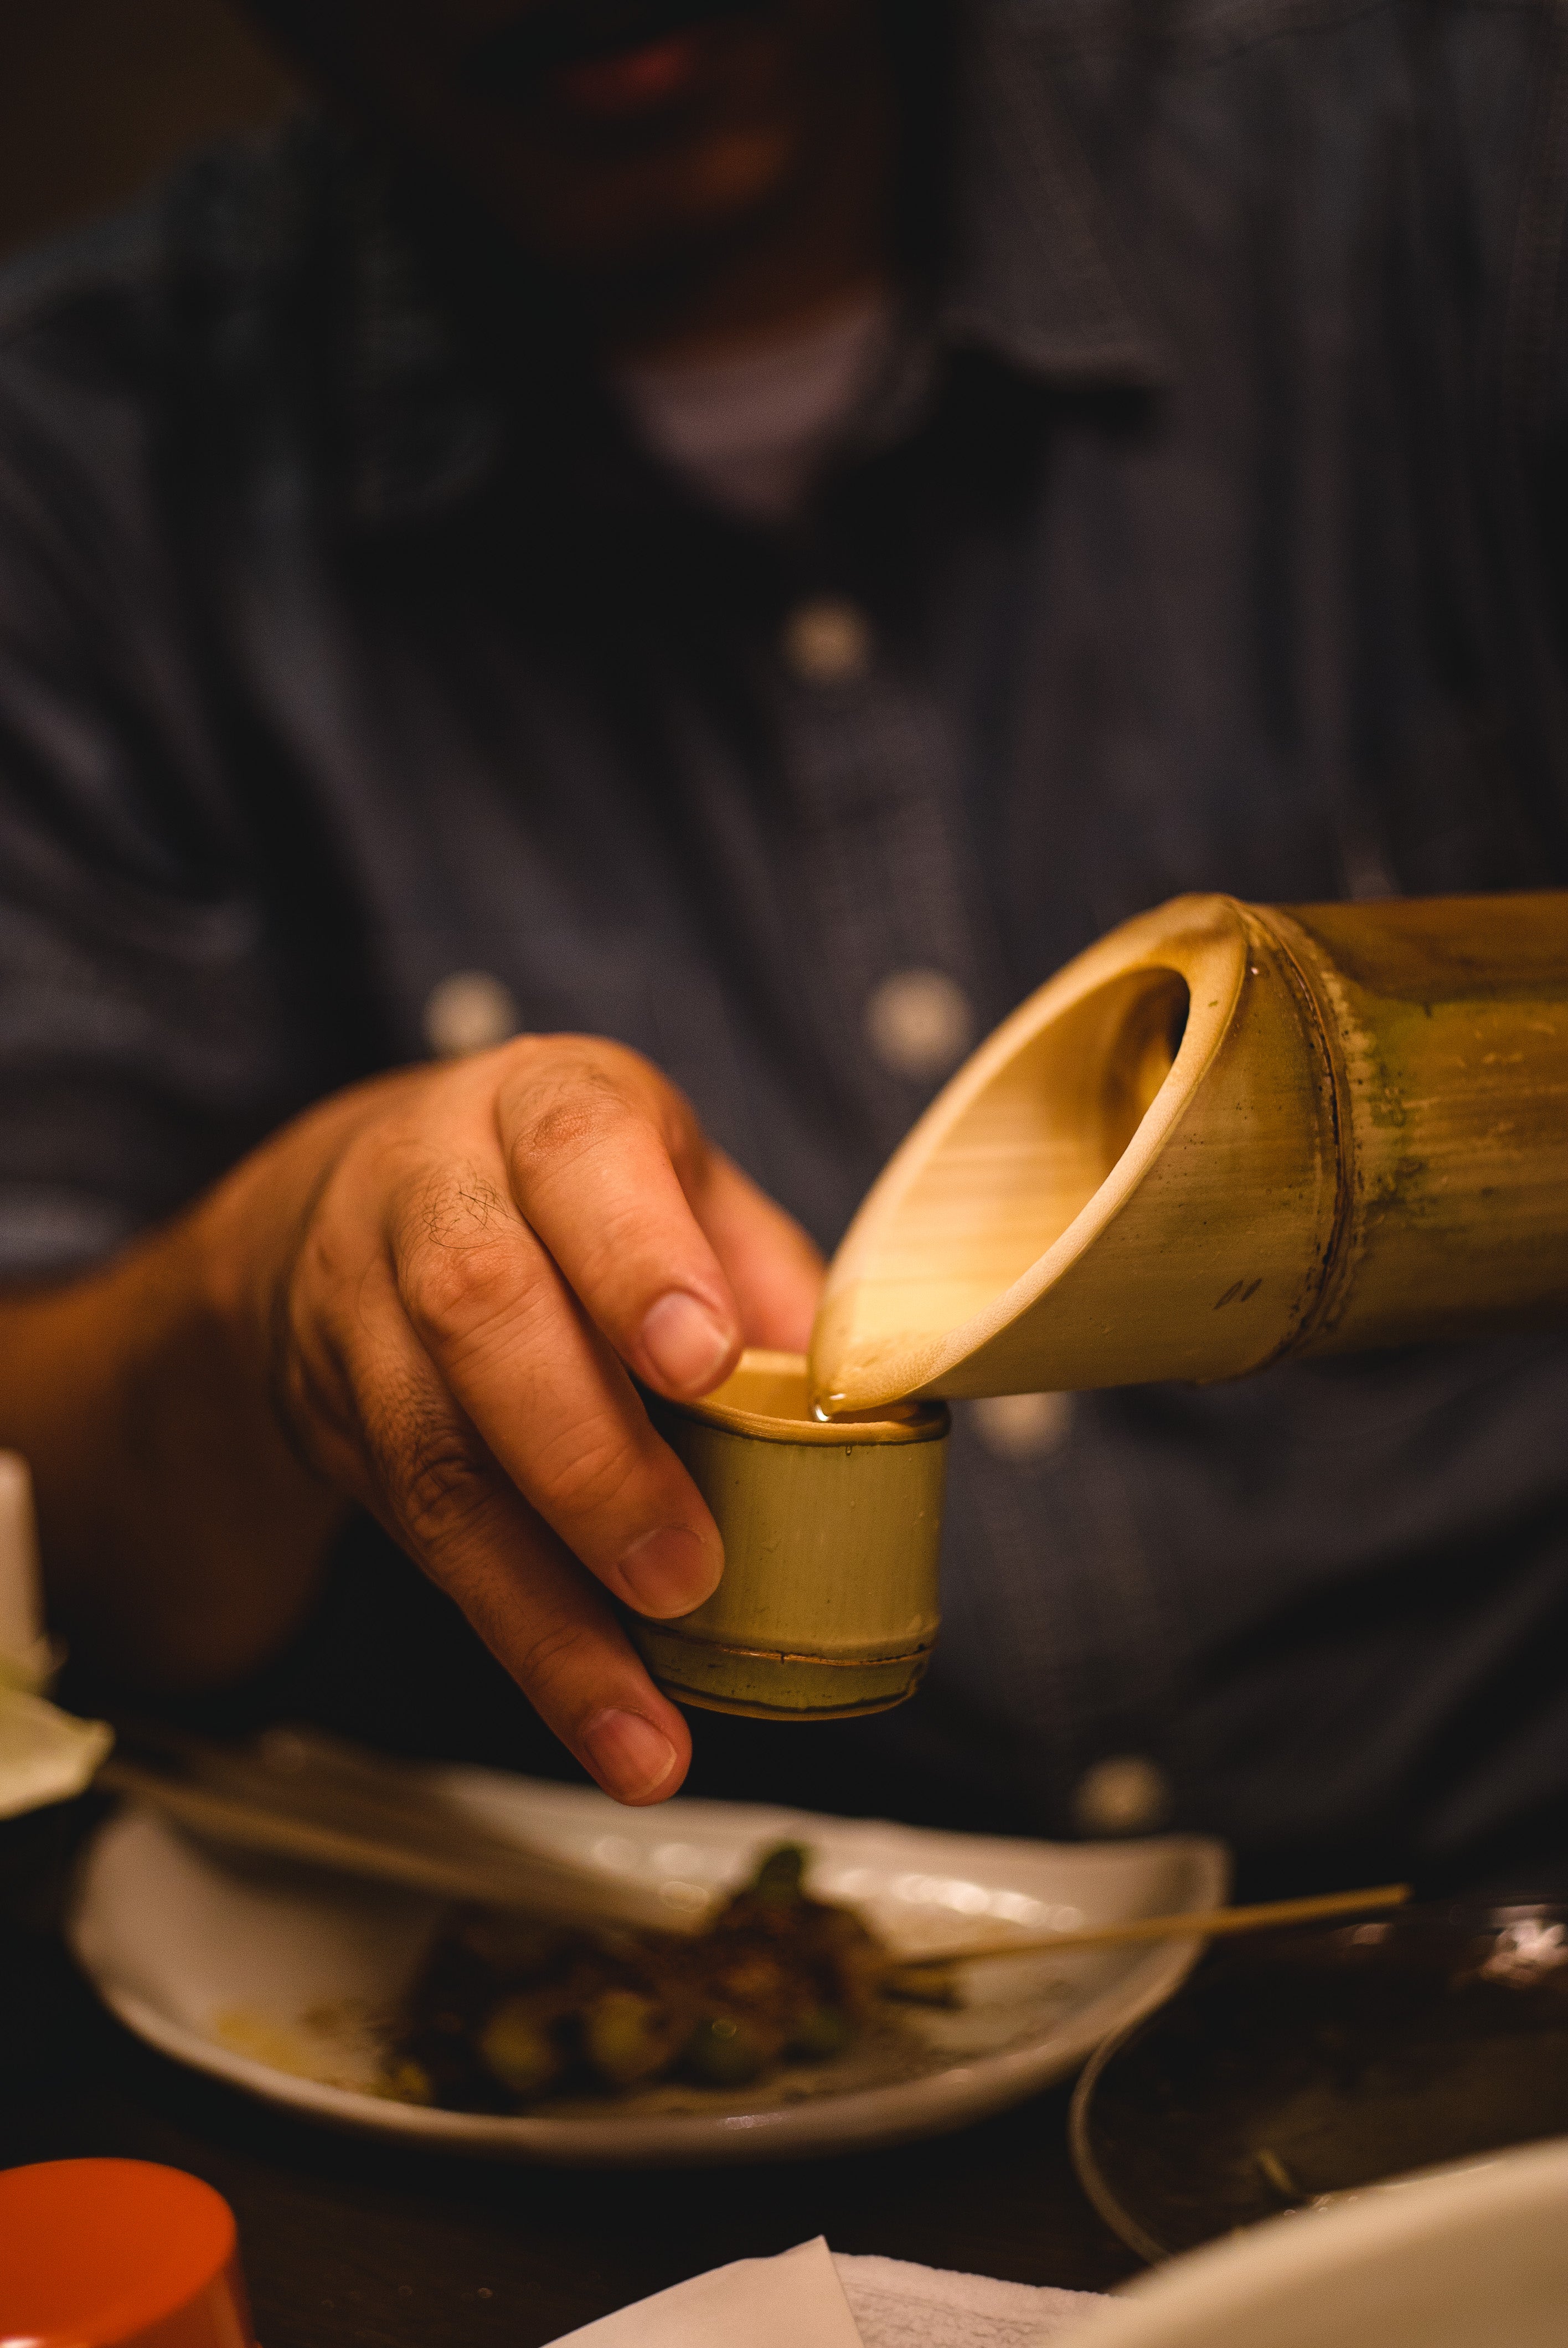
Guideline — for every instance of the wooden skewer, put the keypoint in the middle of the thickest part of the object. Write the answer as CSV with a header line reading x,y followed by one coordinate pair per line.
x,y
1206,1925
447,1857
330,1807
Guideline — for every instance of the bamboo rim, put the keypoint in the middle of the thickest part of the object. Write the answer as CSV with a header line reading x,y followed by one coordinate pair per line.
x,y
877,1661
764,1373
1201,942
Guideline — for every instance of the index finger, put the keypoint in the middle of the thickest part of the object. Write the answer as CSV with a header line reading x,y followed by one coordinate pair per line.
x,y
596,1148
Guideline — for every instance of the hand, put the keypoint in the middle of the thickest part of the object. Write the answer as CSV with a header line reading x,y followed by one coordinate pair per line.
x,y
455,1274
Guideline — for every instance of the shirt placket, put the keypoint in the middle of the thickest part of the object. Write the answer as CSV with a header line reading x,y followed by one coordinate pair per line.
x,y
1043,1580
889,896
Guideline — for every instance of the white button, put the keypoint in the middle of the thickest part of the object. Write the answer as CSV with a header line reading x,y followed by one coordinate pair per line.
x,y
827,642
920,1023
468,1013
1125,1795
1023,1426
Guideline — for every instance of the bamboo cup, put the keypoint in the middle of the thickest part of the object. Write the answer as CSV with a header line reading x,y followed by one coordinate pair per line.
x,y
1226,1134
828,1604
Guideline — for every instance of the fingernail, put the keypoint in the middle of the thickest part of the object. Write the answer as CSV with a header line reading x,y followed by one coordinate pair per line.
x,y
686,1345
630,1756
670,1570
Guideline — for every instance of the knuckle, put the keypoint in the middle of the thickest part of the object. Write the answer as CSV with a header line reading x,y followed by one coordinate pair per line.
x,y
587,1472
310,1335
331,1239
437,1470
577,1106
456,1207
443,1485
548,1654
590,1097
325,1279
308,1399
445,1290
454,1255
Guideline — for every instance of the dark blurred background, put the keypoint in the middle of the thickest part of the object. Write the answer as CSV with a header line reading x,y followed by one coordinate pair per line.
x,y
98,97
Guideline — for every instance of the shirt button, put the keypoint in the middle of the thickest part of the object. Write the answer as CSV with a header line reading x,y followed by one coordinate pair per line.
x,y
468,1012
1125,1795
1023,1426
920,1023
826,642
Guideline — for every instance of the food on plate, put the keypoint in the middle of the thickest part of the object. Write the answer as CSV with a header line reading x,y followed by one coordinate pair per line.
x,y
505,2012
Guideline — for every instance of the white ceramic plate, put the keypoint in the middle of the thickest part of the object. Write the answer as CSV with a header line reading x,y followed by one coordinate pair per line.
x,y
1471,2256
270,1976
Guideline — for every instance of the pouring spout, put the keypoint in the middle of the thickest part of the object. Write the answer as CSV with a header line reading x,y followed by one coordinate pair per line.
x,y
1225,1133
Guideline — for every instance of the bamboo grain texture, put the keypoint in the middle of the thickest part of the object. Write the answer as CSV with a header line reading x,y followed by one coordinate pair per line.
x,y
1227,1134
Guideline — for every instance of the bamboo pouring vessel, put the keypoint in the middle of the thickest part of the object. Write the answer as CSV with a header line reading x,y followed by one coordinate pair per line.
x,y
1227,1134
828,1603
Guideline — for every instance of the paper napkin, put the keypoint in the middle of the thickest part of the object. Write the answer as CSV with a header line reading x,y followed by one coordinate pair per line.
x,y
46,1754
795,2300
810,2298
898,2305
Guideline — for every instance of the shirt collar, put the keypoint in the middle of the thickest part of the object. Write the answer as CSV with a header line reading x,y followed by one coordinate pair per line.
x,y
1036,274
424,425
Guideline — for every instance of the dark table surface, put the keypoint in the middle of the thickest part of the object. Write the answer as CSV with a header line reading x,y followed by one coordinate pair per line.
x,y
350,2240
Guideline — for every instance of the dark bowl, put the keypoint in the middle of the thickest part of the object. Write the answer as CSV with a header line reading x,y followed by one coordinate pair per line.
x,y
1309,2062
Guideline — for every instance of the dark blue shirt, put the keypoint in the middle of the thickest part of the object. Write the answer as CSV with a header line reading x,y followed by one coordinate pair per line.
x,y
1206,531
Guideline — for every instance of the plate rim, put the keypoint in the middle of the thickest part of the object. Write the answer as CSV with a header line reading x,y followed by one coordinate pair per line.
x,y
1419,1915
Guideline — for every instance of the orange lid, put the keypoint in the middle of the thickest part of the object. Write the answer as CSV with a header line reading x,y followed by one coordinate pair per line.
x,y
118,2254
